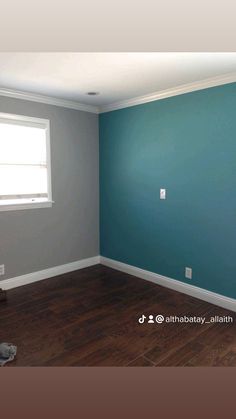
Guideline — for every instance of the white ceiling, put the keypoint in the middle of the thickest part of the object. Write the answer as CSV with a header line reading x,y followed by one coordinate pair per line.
x,y
117,76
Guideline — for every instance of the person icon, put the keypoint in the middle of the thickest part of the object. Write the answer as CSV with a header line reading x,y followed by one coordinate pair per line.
x,y
150,319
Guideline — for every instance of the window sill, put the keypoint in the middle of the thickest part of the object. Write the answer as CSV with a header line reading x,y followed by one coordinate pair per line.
x,y
23,206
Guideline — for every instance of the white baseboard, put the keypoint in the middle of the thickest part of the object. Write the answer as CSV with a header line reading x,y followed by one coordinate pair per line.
x,y
202,294
17,281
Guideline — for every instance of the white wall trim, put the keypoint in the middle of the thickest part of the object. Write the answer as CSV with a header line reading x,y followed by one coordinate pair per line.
x,y
26,205
18,281
202,294
49,100
175,91
162,94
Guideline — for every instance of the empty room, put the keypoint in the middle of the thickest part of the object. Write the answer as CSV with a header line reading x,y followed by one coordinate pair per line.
x,y
117,209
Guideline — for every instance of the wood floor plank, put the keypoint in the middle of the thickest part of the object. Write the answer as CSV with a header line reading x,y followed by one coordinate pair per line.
x,y
90,318
141,362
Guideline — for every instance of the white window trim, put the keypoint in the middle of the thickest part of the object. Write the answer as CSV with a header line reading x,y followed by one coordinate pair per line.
x,y
32,121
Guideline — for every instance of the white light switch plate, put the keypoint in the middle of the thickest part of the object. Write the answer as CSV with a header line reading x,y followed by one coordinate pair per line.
x,y
188,273
162,193
2,269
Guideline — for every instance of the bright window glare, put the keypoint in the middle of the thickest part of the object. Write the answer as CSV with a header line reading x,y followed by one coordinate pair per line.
x,y
22,145
17,180
23,161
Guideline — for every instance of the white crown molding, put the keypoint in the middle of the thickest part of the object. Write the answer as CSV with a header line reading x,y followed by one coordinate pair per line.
x,y
18,281
17,94
163,94
175,91
201,293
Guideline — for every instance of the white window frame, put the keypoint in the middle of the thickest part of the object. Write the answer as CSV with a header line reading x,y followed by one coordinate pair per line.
x,y
31,122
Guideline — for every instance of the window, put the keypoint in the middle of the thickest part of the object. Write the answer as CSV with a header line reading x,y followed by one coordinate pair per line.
x,y
25,172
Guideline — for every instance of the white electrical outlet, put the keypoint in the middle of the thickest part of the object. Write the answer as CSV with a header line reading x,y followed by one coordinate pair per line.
x,y
162,193
188,273
2,269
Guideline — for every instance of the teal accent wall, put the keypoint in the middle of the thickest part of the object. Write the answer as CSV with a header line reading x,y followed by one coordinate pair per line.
x,y
186,144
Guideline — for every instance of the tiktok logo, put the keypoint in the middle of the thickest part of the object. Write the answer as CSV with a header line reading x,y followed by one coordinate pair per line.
x,y
142,319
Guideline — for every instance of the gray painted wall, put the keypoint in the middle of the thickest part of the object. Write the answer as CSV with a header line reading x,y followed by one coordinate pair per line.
x,y
36,239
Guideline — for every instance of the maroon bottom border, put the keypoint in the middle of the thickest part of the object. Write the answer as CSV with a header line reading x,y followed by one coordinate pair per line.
x,y
117,393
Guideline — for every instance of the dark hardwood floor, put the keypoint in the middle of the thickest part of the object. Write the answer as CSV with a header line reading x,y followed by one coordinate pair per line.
x,y
90,318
